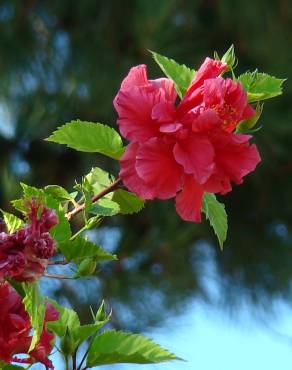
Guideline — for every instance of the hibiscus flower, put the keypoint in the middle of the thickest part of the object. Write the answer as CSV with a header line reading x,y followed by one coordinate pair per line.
x,y
183,150
15,330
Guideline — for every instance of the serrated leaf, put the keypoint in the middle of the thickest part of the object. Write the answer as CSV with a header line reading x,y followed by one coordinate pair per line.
x,y
104,207
86,267
180,74
260,86
246,125
35,307
12,222
216,214
128,202
113,347
85,331
68,318
68,326
60,232
79,249
89,137
99,179
31,191
57,192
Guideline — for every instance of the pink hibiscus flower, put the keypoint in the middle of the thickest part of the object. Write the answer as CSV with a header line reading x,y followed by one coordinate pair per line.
x,y
187,149
15,330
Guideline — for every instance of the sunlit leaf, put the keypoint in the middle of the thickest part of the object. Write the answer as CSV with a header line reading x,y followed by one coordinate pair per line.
x,y
12,222
216,214
89,137
128,202
180,74
260,86
104,207
79,249
35,307
112,347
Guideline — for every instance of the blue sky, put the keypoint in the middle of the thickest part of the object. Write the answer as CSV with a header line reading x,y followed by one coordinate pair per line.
x,y
210,340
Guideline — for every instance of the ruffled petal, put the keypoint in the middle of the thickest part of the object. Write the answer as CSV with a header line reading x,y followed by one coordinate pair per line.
x,y
188,202
166,85
157,167
229,100
196,155
128,173
194,94
137,76
214,91
206,121
141,104
134,107
234,159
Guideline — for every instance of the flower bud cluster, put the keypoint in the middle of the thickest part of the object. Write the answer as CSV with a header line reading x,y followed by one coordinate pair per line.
x,y
15,330
24,254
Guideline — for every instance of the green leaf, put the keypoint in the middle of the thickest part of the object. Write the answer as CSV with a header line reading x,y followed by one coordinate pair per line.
x,y
12,222
67,319
89,137
128,202
113,347
68,327
86,267
216,214
260,86
57,192
180,74
10,367
60,232
85,331
104,207
35,307
246,125
98,179
79,249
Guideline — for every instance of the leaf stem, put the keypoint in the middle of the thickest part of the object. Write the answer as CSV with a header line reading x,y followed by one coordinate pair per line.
x,y
74,354
83,358
95,198
62,262
56,276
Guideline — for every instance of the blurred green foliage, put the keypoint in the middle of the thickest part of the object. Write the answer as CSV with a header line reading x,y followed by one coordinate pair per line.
x,y
63,60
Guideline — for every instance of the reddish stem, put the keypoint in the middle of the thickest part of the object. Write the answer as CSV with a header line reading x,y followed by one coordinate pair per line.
x,y
98,196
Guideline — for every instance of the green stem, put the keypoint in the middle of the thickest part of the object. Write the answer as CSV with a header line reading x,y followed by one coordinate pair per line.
x,y
67,363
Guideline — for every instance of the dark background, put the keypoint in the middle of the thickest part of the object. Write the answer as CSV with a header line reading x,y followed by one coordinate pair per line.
x,y
62,60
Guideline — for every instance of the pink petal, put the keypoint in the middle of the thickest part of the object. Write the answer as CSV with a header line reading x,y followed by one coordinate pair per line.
x,y
129,174
188,202
248,112
214,91
234,159
157,167
137,76
142,103
196,155
170,127
209,69
206,121
166,85
134,107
